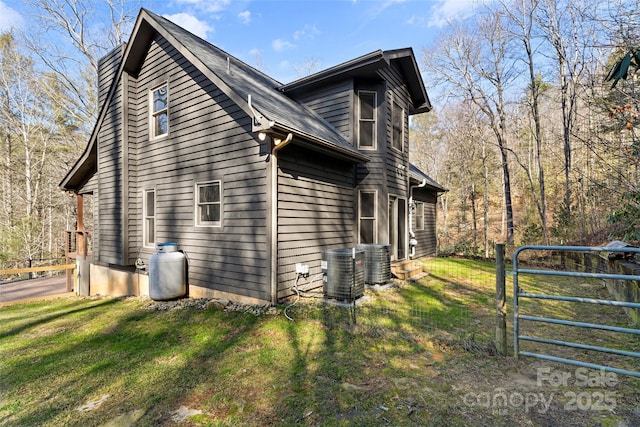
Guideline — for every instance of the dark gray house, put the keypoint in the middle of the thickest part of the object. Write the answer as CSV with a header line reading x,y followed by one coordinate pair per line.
x,y
248,176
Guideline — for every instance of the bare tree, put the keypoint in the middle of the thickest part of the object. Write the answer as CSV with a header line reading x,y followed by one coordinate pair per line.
x,y
75,36
25,120
477,64
521,16
564,26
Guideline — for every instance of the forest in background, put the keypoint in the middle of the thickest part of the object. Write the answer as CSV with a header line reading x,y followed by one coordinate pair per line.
x,y
535,131
534,128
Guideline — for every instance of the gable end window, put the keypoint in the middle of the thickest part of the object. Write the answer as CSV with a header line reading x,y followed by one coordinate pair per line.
x,y
397,120
159,109
149,215
366,119
208,207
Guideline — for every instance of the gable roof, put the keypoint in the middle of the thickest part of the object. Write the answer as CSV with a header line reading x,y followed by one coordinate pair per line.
x,y
417,175
271,108
369,64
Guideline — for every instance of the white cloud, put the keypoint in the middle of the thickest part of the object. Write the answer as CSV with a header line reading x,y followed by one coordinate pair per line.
x,y
191,23
10,18
415,20
444,11
212,6
309,32
280,45
245,17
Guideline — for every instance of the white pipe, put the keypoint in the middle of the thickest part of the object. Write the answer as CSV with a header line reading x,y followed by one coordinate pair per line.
x,y
412,241
277,145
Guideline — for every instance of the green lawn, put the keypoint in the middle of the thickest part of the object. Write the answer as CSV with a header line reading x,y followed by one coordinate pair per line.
x,y
419,354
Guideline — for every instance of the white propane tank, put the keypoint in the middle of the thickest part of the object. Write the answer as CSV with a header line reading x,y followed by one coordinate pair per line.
x,y
167,273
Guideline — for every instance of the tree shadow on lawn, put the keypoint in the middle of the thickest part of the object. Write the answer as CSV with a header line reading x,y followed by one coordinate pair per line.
x,y
142,360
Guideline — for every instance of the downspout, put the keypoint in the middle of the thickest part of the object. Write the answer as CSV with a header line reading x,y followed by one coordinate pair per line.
x,y
276,146
412,241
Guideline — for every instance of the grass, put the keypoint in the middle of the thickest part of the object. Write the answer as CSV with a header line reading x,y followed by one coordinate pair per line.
x,y
419,354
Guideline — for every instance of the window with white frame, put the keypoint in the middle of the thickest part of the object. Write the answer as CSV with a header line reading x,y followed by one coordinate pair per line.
x,y
367,217
209,204
397,120
366,119
159,111
149,215
419,215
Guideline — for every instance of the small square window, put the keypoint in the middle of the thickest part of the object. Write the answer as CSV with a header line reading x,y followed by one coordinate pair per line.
x,y
209,204
159,106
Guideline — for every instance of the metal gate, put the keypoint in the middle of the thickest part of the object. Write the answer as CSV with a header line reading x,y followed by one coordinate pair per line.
x,y
519,293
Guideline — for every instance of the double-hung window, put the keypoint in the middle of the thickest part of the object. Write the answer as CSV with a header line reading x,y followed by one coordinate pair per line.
x,y
208,207
159,109
397,120
366,119
367,216
149,214
419,215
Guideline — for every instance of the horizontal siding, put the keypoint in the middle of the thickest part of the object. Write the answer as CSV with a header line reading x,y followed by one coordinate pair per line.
x,y
209,139
315,211
334,103
107,68
427,239
109,226
397,178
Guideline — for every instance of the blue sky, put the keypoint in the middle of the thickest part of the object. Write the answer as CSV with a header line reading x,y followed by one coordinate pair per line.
x,y
281,36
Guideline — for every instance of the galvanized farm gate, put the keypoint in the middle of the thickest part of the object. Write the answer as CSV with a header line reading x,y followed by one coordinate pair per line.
x,y
519,293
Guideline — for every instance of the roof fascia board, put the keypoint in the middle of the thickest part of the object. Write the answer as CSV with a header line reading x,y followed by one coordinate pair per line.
x,y
64,184
351,155
215,79
408,64
371,61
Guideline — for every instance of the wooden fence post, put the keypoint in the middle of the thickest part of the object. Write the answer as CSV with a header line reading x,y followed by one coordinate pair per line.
x,y
501,302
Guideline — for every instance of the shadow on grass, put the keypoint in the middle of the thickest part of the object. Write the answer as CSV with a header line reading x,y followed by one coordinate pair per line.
x,y
53,316
143,360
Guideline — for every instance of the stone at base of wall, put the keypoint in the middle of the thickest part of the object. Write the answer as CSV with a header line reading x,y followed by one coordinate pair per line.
x,y
113,282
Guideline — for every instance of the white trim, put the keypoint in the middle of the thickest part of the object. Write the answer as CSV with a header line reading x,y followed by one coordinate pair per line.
x,y
145,243
152,114
196,202
374,137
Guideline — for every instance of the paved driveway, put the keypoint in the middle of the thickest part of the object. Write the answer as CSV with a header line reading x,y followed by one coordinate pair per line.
x,y
35,288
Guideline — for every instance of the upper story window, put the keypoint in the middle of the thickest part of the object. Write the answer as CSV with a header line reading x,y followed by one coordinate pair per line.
x,y
209,204
149,214
366,119
159,109
397,121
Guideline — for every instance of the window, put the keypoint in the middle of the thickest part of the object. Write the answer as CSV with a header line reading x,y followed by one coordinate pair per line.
x,y
367,216
209,204
366,120
398,127
419,216
159,108
149,214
